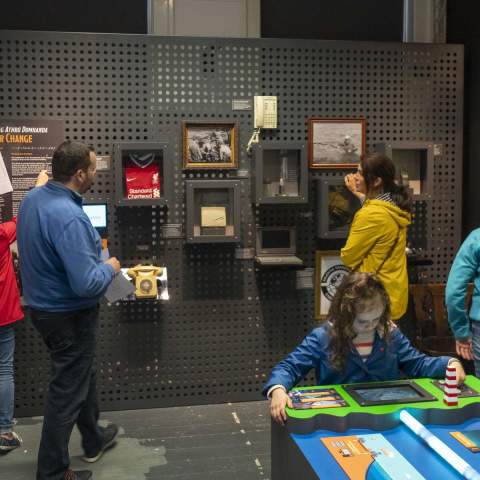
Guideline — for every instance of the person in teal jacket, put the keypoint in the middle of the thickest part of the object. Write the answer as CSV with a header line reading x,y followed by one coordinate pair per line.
x,y
465,325
357,343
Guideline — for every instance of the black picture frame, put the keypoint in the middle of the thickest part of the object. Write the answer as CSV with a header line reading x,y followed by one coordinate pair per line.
x,y
420,156
335,207
266,154
225,189
162,153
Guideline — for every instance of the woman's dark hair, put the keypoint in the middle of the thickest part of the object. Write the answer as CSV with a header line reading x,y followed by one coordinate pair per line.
x,y
356,289
68,158
376,165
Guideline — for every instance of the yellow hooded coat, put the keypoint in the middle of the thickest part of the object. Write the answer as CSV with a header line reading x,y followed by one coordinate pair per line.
x,y
375,229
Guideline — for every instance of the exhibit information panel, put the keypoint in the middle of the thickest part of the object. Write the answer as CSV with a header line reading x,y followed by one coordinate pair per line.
x,y
27,146
354,441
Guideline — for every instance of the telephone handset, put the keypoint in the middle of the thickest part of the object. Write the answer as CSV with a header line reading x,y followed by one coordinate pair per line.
x,y
265,112
264,116
145,280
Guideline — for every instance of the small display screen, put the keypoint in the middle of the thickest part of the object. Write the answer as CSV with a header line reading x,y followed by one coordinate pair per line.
x,y
97,214
386,394
276,239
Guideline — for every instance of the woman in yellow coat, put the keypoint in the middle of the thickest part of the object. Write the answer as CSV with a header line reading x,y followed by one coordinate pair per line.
x,y
378,234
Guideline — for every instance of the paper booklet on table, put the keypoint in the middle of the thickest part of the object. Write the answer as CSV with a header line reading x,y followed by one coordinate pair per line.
x,y
119,288
469,439
316,398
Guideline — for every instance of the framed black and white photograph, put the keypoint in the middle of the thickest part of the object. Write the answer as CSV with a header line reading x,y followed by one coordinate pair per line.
x,y
336,143
209,145
329,273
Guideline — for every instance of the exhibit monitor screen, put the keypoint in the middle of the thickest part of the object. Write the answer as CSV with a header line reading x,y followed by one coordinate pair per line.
x,y
384,393
97,213
274,240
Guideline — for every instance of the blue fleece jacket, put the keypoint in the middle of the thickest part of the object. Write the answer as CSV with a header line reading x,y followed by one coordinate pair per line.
x,y
465,269
59,251
386,362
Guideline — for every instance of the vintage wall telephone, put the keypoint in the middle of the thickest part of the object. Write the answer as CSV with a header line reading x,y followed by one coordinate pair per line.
x,y
265,116
265,112
145,280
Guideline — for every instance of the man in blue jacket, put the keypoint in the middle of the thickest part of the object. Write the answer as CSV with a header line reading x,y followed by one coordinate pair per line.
x,y
465,325
63,280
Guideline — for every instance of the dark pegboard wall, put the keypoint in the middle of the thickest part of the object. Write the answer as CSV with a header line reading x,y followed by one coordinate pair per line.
x,y
226,322
417,233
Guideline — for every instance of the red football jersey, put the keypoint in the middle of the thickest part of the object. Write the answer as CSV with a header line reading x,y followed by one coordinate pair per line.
x,y
142,182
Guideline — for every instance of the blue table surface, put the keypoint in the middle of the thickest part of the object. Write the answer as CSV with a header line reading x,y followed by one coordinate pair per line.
x,y
413,448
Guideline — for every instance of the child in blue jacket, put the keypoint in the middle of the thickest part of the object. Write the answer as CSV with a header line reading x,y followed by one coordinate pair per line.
x,y
358,343
465,325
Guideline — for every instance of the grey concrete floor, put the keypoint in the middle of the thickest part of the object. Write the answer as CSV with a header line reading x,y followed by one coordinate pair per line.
x,y
209,442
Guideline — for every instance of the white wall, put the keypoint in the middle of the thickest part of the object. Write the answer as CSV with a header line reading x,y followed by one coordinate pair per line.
x,y
425,21
206,18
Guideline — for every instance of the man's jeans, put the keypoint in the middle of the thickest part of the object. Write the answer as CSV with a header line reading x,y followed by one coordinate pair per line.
x,y
70,338
7,390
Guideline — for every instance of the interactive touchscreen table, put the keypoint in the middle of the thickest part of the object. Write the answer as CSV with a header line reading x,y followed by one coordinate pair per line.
x,y
379,431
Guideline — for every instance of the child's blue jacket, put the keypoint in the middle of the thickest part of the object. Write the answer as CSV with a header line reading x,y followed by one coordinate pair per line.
x,y
384,363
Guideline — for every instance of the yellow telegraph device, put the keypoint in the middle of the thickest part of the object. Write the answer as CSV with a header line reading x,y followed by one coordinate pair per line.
x,y
145,280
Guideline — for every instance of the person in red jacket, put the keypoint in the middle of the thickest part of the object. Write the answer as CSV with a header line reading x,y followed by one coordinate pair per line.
x,y
10,312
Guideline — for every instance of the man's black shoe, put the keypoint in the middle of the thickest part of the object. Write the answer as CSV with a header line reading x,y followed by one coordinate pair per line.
x,y
110,434
78,475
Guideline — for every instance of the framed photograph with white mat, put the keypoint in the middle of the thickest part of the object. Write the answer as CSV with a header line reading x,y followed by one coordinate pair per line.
x,y
329,273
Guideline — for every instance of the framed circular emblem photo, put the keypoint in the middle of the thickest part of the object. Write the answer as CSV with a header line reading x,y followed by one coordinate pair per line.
x,y
329,273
